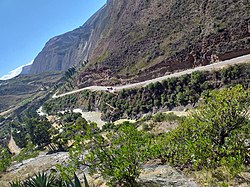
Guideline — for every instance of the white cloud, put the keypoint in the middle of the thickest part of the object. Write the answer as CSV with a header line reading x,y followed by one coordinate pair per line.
x,y
14,72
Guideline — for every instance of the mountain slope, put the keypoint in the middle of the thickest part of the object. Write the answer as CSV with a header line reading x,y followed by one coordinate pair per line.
x,y
140,39
24,88
26,69
64,51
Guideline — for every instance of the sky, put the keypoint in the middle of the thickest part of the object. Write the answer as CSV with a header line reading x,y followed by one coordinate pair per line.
x,y
26,25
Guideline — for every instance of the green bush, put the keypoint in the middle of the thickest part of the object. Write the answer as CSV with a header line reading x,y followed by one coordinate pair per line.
x,y
214,135
26,153
118,156
108,126
160,117
5,159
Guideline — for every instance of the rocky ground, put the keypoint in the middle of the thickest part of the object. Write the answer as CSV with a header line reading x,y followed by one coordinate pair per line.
x,y
153,174
31,166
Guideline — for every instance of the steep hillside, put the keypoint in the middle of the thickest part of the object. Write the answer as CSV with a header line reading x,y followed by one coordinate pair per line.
x,y
137,40
72,48
26,70
24,88
180,92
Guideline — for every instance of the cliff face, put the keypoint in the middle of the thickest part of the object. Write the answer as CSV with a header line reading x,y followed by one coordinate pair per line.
x,y
141,39
26,70
61,52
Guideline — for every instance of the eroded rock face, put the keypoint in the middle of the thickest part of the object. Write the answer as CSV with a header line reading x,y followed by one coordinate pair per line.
x,y
149,38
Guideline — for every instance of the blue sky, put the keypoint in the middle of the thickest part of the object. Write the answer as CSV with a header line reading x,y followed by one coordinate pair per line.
x,y
26,25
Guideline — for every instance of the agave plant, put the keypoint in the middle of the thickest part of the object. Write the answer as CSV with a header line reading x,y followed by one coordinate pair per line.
x,y
45,180
16,184
77,182
86,184
41,180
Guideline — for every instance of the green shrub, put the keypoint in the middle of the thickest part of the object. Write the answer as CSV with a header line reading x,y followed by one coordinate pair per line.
x,y
108,126
118,157
147,127
5,159
160,117
26,153
214,135
41,180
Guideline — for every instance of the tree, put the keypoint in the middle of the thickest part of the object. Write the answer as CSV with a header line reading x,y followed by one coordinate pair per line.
x,y
81,124
181,98
157,103
39,131
171,84
41,135
215,134
163,99
225,111
5,159
119,156
197,78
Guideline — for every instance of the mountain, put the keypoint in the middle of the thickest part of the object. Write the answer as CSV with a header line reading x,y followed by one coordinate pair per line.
x,y
140,39
26,88
26,69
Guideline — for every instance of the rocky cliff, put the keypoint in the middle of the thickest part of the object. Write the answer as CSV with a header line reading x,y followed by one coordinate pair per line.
x,y
26,70
141,39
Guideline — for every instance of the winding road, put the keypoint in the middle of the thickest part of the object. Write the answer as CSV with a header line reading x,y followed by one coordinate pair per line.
x,y
210,67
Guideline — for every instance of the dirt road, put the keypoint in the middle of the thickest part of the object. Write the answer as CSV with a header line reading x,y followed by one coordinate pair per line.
x,y
215,66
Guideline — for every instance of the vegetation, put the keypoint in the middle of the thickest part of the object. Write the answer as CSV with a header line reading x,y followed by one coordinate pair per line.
x,y
211,137
215,134
119,162
26,153
49,180
160,117
5,159
36,130
168,94
117,156
71,125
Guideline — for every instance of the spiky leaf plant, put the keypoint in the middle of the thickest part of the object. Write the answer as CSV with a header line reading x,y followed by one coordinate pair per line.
x,y
16,184
41,180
